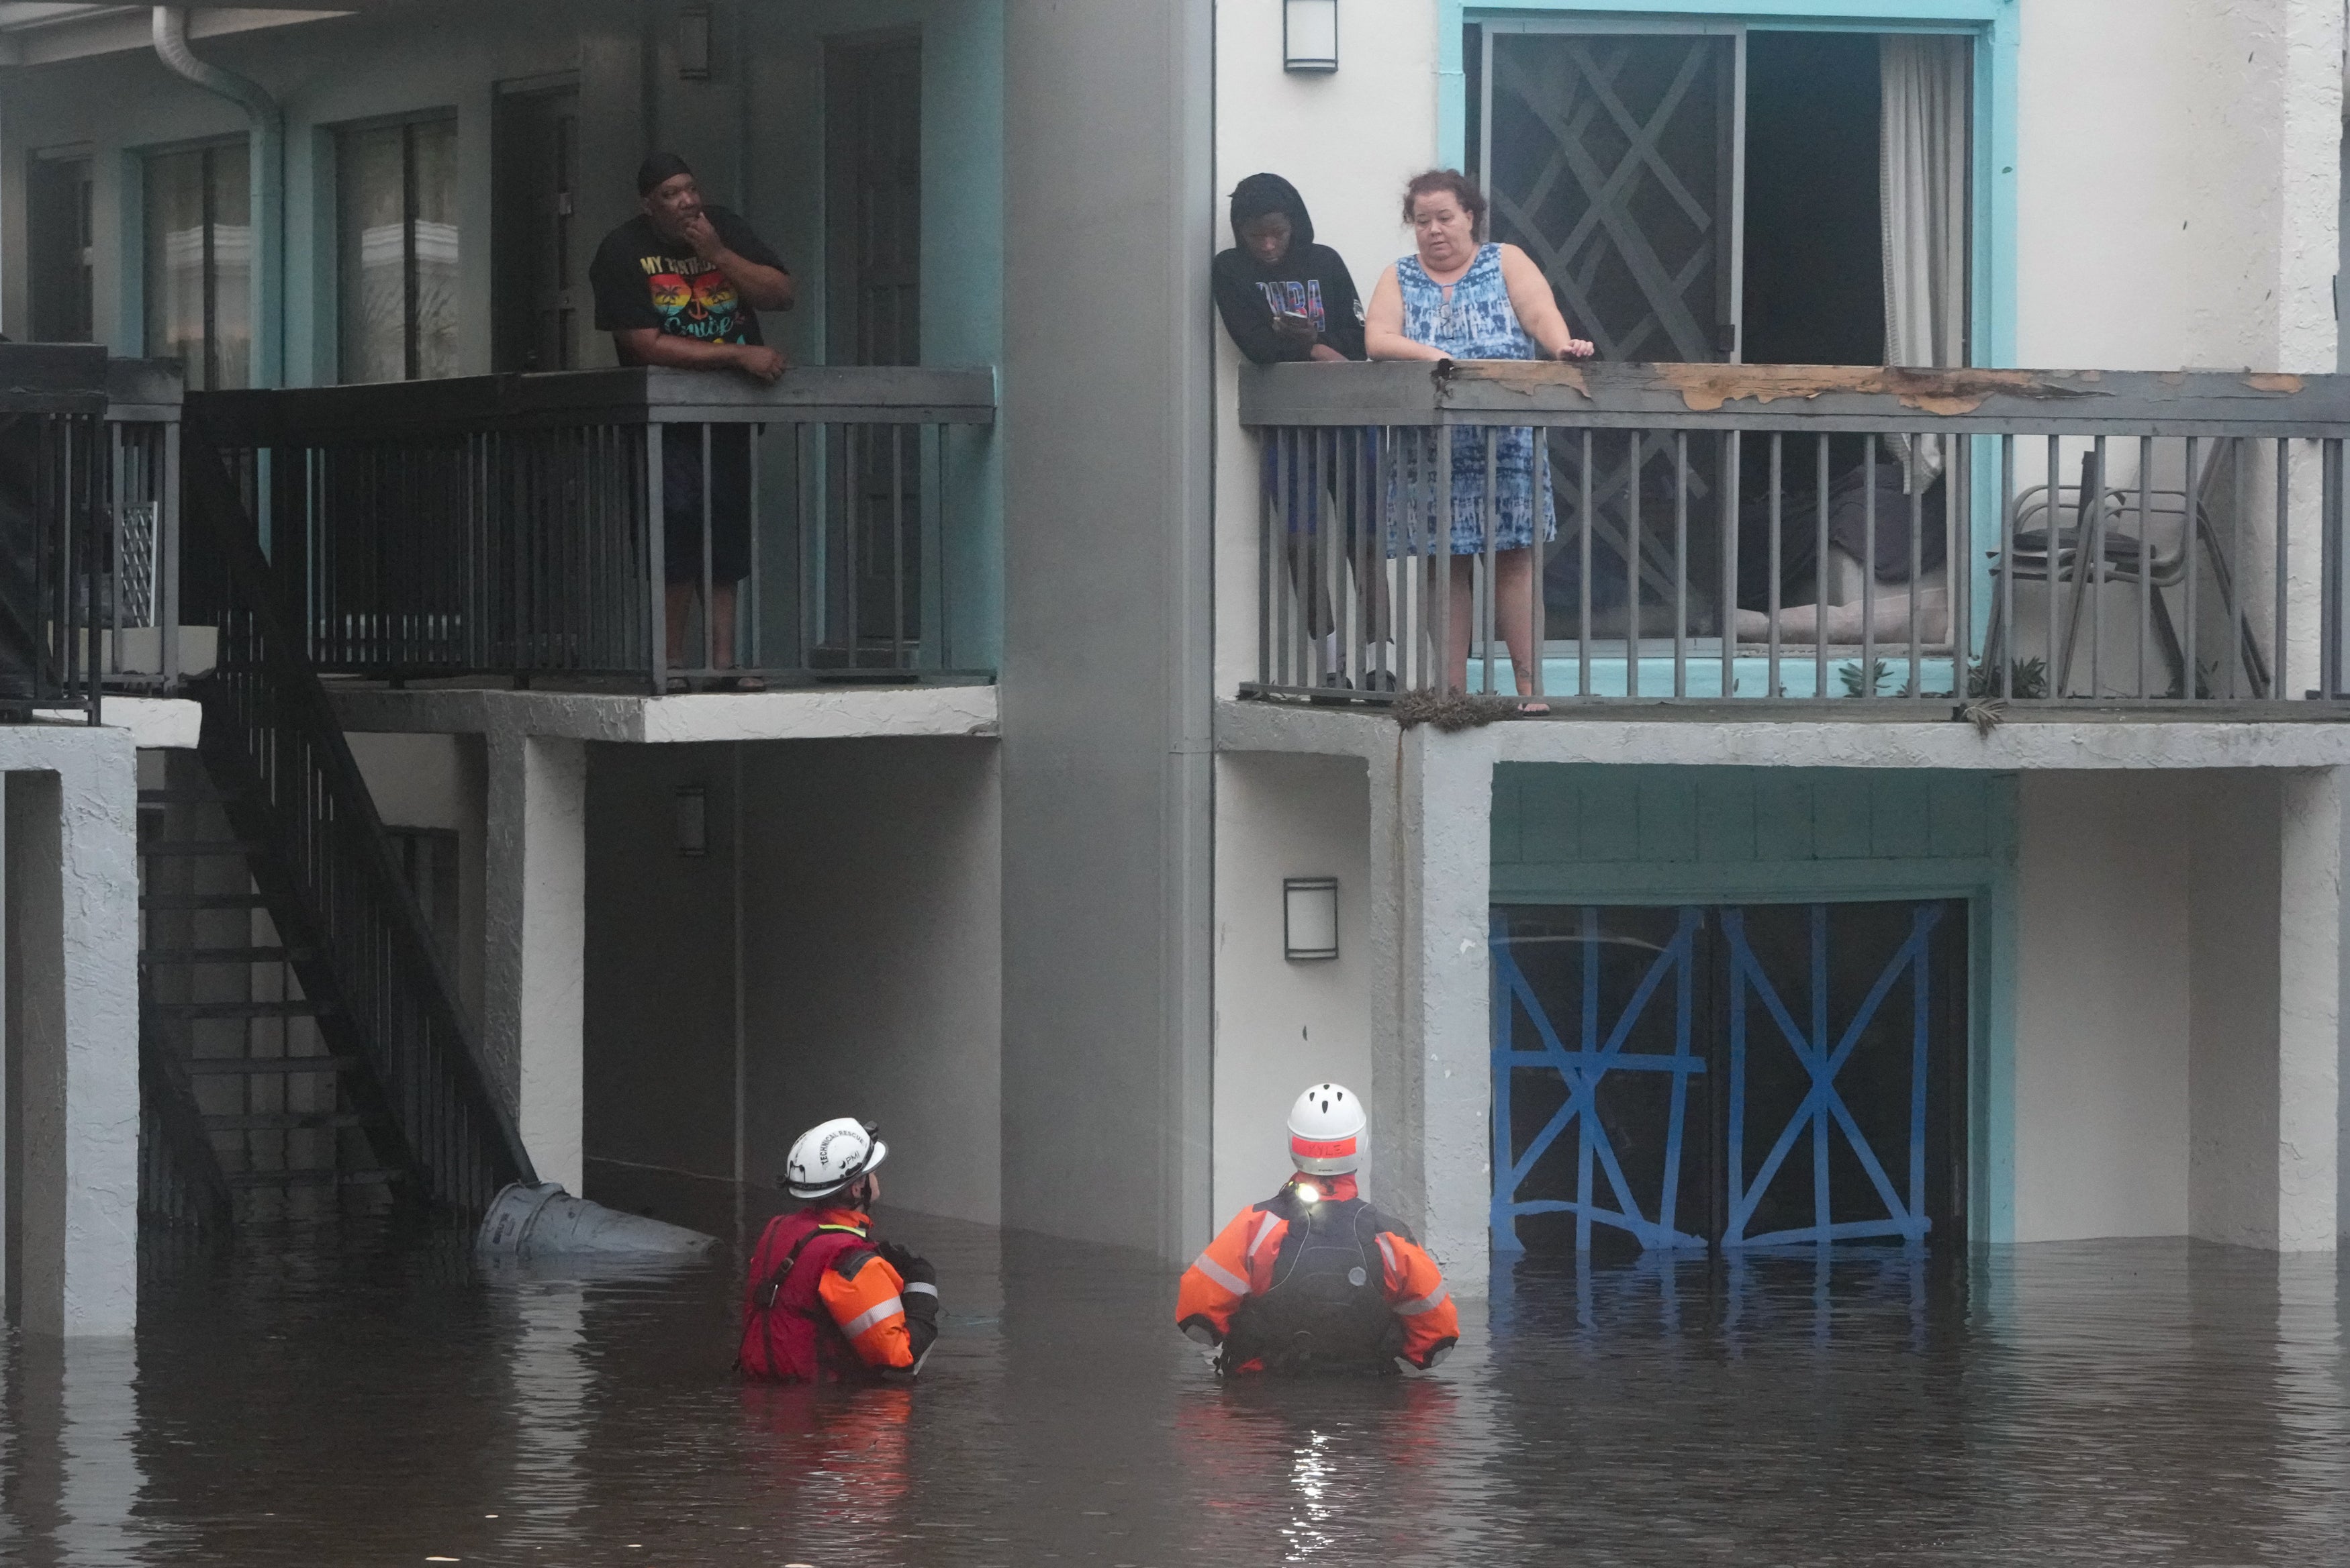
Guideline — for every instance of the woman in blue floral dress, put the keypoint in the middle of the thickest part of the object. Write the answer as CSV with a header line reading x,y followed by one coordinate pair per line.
x,y
1461,297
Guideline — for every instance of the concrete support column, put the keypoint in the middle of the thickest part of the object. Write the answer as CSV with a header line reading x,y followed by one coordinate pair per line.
x,y
2310,933
1446,866
535,926
69,1120
1399,1176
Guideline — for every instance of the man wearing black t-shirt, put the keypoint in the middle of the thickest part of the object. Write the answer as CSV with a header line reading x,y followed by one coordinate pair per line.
x,y
681,284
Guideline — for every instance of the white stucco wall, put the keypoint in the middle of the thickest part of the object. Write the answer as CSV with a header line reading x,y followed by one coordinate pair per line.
x,y
867,947
2176,182
69,1152
2102,1005
1281,1025
418,781
873,961
2232,1075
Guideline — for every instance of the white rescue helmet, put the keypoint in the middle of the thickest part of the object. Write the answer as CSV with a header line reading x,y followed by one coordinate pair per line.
x,y
829,1156
1326,1136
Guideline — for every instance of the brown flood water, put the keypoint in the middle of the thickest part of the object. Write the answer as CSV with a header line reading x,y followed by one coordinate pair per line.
x,y
394,1403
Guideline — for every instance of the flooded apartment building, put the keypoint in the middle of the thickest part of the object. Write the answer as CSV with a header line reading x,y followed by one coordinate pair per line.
x,y
1937,837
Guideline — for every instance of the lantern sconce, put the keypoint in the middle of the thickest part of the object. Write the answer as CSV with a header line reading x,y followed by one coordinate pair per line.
x,y
1309,36
1309,917
693,820
693,43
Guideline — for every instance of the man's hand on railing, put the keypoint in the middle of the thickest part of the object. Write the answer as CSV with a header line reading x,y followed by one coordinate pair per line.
x,y
760,363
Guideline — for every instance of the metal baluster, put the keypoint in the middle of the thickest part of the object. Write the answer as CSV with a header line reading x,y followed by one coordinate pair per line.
x,y
1868,566
1773,685
1914,449
1330,548
655,563
1538,612
1488,603
2279,649
1441,554
2059,682
2144,563
2096,544
2005,676
709,547
1284,479
2231,586
1680,563
1582,578
2330,554
751,598
896,547
1734,453
2190,542
1820,577
1632,568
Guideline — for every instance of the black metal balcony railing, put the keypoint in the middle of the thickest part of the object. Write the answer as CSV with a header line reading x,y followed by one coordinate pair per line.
x,y
577,525
52,547
1803,533
138,618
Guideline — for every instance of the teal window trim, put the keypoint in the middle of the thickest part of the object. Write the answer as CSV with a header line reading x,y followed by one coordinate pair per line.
x,y
1994,22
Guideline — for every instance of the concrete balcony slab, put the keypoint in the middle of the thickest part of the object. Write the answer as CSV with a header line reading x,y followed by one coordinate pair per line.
x,y
2017,745
850,714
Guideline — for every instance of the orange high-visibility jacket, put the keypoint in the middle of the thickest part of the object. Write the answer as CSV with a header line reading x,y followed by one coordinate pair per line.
x,y
1239,1264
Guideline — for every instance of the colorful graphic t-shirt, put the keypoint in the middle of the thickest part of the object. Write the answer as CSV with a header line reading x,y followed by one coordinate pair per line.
x,y
642,280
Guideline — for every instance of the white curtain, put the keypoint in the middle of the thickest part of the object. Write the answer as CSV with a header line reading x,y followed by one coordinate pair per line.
x,y
1923,153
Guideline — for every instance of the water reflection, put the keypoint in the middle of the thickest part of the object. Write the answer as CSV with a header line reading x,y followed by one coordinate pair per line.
x,y
73,1475
2114,1402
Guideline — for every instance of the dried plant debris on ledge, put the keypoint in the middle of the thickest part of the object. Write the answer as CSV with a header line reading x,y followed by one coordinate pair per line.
x,y
1985,713
1451,712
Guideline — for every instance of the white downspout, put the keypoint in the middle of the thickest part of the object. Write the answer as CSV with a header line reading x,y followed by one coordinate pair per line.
x,y
268,147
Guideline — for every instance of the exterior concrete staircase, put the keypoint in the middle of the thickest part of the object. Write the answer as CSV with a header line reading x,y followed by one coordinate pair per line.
x,y
269,1110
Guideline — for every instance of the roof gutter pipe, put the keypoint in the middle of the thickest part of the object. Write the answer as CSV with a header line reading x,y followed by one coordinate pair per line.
x,y
268,147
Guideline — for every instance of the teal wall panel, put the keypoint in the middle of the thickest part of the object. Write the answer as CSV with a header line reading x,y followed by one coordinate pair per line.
x,y
1561,823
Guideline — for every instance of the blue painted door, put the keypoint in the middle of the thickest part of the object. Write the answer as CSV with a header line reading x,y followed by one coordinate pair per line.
x,y
1750,1076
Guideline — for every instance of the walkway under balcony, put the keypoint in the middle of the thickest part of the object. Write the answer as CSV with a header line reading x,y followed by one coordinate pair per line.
x,y
1778,543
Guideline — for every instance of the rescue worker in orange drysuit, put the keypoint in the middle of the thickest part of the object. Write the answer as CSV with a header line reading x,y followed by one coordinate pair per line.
x,y
825,1302
1314,1279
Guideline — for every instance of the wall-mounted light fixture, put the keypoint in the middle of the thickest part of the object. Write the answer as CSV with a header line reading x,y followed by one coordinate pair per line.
x,y
693,43
1309,917
1309,34
692,804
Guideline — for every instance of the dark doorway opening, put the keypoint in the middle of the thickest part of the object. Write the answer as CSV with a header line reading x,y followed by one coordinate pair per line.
x,y
535,181
1815,224
873,202
1733,1077
58,211
873,316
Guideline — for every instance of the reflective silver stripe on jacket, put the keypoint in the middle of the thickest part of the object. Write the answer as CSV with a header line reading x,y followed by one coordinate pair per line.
x,y
1427,1302
1264,1229
1221,1275
882,1313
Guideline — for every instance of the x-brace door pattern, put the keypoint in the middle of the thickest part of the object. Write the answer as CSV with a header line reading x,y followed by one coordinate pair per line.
x,y
1613,163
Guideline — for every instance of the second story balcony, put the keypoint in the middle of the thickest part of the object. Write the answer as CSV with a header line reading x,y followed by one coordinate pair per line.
x,y
1780,539
579,528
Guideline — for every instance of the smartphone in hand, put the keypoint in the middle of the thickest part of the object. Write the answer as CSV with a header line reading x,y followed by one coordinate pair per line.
x,y
1294,322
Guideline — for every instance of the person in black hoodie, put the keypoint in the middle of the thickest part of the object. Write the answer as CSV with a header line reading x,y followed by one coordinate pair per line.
x,y
1286,299
1283,297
